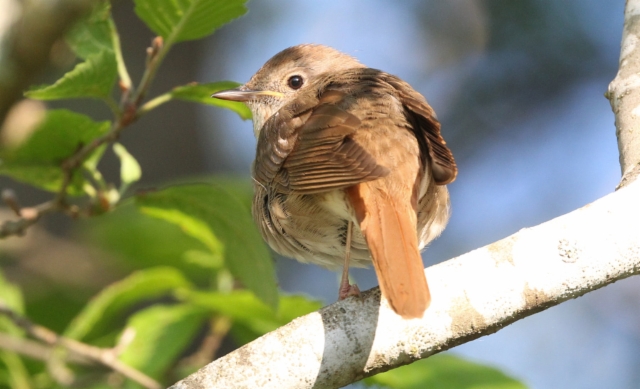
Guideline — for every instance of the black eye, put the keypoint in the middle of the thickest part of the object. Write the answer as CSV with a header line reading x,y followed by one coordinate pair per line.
x,y
295,82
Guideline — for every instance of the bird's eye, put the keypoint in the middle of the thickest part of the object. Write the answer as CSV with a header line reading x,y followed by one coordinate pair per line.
x,y
295,82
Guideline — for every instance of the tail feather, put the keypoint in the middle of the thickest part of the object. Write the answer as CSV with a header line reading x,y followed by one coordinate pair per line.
x,y
389,227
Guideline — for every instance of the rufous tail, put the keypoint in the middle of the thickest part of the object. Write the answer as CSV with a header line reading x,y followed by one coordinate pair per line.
x,y
389,227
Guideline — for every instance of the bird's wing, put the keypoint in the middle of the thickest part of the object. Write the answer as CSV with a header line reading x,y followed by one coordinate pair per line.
x,y
427,130
314,150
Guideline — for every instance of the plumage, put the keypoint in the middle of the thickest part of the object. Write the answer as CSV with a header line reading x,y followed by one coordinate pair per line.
x,y
352,145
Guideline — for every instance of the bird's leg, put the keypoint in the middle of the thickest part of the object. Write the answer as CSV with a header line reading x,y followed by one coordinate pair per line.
x,y
346,289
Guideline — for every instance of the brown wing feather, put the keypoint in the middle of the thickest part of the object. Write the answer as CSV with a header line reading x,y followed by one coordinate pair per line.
x,y
389,227
427,129
312,151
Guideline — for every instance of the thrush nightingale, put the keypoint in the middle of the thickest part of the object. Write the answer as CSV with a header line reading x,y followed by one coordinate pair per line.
x,y
350,167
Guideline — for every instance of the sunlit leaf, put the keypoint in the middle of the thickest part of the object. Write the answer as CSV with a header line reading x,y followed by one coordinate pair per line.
x,y
122,295
183,20
213,216
16,375
11,298
203,259
130,171
444,372
137,241
93,78
38,159
161,334
201,93
247,310
10,295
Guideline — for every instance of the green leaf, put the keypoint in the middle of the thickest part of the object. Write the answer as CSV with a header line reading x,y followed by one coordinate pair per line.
x,y
130,171
161,335
201,93
16,375
217,219
94,34
93,78
444,372
38,159
184,20
244,308
122,295
10,297
203,259
140,241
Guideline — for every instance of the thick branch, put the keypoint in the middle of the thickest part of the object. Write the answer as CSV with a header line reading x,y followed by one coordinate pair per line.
x,y
624,94
474,295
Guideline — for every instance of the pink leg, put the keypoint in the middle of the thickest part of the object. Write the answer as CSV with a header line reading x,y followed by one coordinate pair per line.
x,y
346,289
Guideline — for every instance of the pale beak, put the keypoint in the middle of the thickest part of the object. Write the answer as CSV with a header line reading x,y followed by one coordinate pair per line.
x,y
244,95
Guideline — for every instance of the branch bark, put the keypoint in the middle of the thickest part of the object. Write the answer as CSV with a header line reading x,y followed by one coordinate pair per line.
x,y
475,294
624,95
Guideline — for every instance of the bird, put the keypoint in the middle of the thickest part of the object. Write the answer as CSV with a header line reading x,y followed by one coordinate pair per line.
x,y
350,168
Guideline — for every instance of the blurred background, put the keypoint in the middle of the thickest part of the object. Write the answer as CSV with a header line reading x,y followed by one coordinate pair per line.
x,y
518,88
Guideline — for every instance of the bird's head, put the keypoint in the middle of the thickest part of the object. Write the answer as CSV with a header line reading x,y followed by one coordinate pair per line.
x,y
284,77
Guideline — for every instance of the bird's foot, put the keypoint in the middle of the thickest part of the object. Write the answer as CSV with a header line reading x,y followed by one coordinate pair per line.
x,y
348,290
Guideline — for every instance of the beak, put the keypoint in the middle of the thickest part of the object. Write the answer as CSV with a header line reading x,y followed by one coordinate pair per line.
x,y
244,95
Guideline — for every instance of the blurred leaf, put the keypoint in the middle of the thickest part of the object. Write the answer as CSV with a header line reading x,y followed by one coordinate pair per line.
x,y
444,372
140,241
16,375
246,309
161,334
210,214
130,171
93,78
240,188
119,296
38,160
91,163
203,259
201,93
184,20
93,34
10,297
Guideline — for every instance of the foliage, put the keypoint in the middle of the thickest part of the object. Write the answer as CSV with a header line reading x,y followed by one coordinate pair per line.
x,y
184,250
443,372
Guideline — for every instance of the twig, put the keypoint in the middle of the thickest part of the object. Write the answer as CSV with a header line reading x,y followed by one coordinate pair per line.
x,y
128,112
218,328
35,350
28,217
106,357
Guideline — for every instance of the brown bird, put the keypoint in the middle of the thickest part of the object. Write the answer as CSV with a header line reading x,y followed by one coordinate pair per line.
x,y
350,166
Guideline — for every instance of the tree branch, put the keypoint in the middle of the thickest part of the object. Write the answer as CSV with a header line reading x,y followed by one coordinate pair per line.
x,y
474,295
106,357
624,95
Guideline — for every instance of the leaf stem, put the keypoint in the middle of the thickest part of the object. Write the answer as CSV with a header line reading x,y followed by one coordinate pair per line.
x,y
122,68
126,113
154,103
